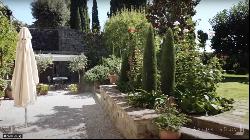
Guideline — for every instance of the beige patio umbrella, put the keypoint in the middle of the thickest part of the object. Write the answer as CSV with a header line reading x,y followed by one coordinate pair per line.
x,y
25,76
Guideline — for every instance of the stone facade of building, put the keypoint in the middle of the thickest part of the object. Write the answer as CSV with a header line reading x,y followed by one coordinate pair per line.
x,y
63,40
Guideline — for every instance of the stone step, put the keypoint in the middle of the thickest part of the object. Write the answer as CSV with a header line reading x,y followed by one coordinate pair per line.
x,y
188,133
220,127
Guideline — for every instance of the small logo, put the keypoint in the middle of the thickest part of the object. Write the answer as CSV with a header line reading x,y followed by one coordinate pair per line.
x,y
241,132
11,136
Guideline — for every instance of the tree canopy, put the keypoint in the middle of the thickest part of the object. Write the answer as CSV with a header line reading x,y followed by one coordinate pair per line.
x,y
50,13
118,5
165,13
231,36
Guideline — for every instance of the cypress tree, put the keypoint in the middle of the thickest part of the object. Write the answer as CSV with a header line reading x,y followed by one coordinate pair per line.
x,y
95,19
87,25
74,15
124,69
81,7
149,73
168,64
85,21
79,18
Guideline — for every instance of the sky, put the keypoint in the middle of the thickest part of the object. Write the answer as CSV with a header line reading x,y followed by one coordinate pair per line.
x,y
206,10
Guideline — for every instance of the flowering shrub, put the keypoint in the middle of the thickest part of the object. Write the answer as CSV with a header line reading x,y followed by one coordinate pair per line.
x,y
125,29
43,63
78,64
113,63
42,89
195,82
73,88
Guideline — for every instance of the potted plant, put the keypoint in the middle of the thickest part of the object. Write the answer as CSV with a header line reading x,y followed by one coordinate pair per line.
x,y
42,89
170,119
73,88
114,65
8,92
96,75
113,78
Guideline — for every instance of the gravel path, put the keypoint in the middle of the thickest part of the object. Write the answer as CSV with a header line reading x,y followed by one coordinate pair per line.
x,y
59,115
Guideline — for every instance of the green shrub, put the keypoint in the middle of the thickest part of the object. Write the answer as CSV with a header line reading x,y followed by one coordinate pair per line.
x,y
142,98
73,88
113,63
170,119
98,73
3,84
42,89
196,83
168,64
149,73
2,94
8,42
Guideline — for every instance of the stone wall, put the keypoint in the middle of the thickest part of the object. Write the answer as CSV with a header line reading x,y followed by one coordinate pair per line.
x,y
133,123
44,39
60,39
71,40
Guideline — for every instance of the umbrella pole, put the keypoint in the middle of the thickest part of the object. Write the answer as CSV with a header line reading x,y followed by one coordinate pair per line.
x,y
26,124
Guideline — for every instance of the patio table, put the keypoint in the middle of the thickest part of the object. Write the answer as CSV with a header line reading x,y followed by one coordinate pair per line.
x,y
59,80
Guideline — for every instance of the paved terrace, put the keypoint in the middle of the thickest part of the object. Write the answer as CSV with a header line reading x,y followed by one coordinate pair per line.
x,y
59,115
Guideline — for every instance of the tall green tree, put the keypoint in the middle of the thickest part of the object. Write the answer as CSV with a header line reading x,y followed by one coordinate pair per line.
x,y
75,20
79,18
118,5
86,15
149,68
202,38
50,13
230,41
168,64
8,40
166,13
95,19
124,78
85,20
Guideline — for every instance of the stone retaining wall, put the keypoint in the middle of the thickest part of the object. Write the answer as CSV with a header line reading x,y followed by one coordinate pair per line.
x,y
133,123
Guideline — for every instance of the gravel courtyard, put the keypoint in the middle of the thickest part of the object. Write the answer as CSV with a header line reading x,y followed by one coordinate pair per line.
x,y
59,115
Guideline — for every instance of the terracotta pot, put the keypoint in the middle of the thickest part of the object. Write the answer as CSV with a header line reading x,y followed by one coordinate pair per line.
x,y
166,134
8,92
43,92
113,78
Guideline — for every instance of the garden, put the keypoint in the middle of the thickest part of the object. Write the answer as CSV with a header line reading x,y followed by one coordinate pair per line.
x,y
152,54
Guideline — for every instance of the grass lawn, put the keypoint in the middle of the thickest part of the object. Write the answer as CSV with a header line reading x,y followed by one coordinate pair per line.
x,y
234,75
235,78
235,90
